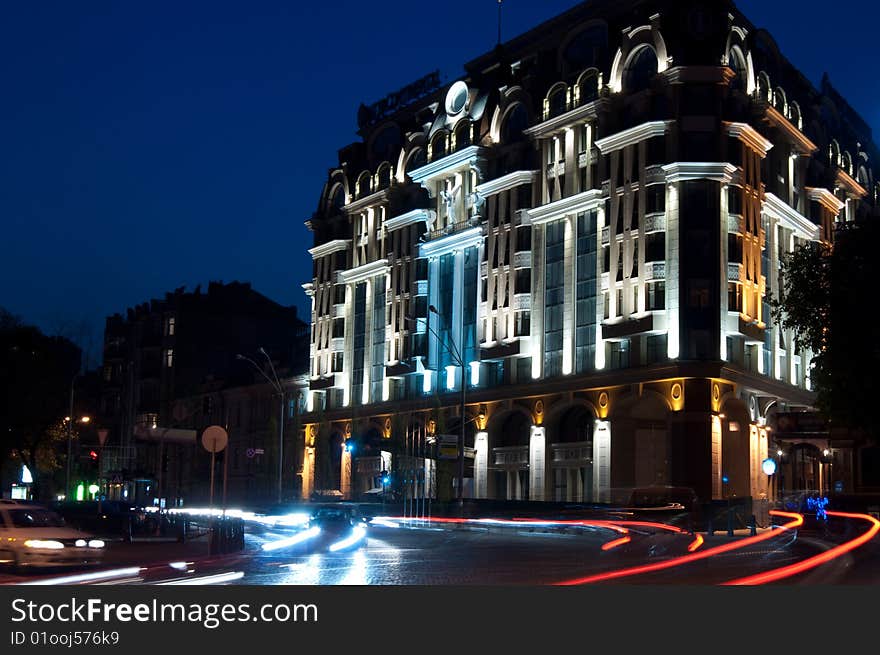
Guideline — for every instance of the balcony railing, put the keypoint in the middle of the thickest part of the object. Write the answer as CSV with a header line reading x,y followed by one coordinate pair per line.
x,y
454,228
512,456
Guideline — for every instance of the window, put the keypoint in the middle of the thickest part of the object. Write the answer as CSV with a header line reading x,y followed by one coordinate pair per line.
x,y
169,357
463,135
655,247
554,297
655,199
363,185
656,296
336,362
438,146
338,328
656,349
735,61
589,87
340,263
524,239
556,102
169,326
640,69
517,120
522,324
384,176
338,294
523,281
618,354
585,292
734,297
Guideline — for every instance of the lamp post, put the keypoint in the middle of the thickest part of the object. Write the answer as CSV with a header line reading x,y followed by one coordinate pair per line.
x,y
279,389
69,419
459,360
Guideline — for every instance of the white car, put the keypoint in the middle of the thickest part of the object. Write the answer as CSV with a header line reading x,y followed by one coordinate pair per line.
x,y
34,536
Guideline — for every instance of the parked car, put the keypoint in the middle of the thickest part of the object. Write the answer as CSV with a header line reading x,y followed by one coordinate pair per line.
x,y
34,536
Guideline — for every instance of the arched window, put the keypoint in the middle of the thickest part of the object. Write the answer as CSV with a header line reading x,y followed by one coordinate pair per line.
x,y
846,163
738,65
383,177
516,121
438,146
779,101
794,115
337,198
363,185
834,153
417,159
463,134
588,86
764,92
640,69
556,101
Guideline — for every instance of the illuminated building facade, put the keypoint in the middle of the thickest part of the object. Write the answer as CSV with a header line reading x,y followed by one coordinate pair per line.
x,y
584,229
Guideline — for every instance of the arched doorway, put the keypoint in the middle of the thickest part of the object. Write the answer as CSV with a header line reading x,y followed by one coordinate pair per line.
x,y
510,457
804,468
651,441
571,456
367,461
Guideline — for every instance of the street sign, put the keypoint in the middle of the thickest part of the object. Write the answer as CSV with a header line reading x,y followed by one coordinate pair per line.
x,y
259,451
250,452
102,436
214,439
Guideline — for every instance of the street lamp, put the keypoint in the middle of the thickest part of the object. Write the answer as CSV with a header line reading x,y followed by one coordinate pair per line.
x,y
459,360
70,421
279,389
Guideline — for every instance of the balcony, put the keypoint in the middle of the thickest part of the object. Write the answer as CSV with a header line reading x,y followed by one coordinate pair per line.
x,y
734,272
655,271
655,222
499,351
454,228
522,302
628,328
398,369
522,259
580,452
511,457
320,384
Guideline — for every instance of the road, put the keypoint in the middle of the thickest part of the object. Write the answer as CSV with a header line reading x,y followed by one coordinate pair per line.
x,y
397,553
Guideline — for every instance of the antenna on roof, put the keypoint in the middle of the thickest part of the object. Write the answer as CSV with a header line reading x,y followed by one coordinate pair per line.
x,y
499,22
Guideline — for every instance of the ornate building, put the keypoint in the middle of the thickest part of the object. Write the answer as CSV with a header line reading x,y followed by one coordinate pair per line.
x,y
575,242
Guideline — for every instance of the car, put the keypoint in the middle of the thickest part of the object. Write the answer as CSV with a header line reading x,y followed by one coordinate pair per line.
x,y
34,536
340,527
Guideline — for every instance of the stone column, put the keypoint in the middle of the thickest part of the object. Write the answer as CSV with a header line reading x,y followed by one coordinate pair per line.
x,y
601,461
537,460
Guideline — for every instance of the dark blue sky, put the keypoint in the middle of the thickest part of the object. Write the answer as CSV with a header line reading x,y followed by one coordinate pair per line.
x,y
148,146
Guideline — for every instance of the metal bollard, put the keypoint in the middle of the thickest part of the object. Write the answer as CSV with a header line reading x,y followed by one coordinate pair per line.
x,y
730,522
753,527
711,528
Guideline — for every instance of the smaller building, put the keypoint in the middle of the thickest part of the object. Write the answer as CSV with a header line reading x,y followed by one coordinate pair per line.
x,y
182,346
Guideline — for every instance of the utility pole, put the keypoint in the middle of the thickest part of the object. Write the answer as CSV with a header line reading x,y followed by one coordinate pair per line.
x,y
279,389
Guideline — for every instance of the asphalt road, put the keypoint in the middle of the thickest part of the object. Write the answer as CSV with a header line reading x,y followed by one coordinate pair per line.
x,y
478,555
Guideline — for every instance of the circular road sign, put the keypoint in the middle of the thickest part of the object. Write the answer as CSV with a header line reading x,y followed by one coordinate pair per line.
x,y
214,438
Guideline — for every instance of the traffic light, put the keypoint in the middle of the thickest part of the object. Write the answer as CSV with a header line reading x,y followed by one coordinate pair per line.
x,y
386,478
93,455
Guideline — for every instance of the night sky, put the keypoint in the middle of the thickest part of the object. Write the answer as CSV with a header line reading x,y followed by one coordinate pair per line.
x,y
152,145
